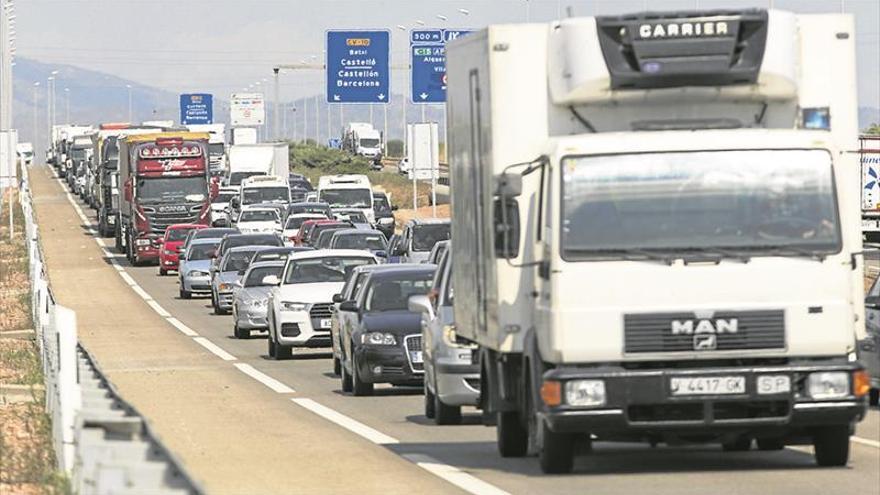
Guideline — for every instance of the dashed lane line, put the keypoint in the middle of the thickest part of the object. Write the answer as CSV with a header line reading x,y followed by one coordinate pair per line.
x,y
263,378
214,349
189,332
344,421
452,474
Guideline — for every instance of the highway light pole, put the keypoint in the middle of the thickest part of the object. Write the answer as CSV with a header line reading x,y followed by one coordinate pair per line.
x,y
67,98
130,117
36,128
277,105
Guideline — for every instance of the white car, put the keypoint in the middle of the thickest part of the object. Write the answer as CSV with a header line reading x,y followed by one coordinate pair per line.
x,y
299,307
403,166
258,221
293,223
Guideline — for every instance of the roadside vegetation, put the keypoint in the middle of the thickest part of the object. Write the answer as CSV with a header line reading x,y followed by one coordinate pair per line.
x,y
314,161
27,461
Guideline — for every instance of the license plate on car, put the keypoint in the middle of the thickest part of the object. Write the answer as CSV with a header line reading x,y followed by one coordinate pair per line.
x,y
708,385
325,323
415,356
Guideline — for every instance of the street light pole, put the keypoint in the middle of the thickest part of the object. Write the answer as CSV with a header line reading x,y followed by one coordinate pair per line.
x,y
36,87
317,122
67,97
130,116
277,106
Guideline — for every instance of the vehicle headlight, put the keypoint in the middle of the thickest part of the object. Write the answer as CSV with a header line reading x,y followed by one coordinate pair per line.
x,y
294,306
450,338
197,273
828,384
225,287
258,303
378,338
386,220
585,393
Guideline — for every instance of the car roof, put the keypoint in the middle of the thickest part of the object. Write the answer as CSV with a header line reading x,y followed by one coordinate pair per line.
x,y
258,208
402,269
261,264
442,243
309,203
248,236
358,232
329,253
429,221
238,249
221,231
205,240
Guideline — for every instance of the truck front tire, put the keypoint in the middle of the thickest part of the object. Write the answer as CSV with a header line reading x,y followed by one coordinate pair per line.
x,y
557,451
831,445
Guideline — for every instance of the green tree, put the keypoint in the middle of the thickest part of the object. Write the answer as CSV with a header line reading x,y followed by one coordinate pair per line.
x,y
873,129
394,148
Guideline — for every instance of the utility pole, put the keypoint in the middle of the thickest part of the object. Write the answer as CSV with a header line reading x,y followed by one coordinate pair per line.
x,y
317,122
36,87
130,117
67,95
276,70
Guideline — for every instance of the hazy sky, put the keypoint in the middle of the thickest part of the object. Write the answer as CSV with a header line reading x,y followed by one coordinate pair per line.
x,y
221,46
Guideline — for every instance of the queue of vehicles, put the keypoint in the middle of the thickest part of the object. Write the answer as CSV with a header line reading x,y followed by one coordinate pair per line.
x,y
666,250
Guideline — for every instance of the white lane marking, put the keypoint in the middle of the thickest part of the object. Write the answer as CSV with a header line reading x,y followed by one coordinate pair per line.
x,y
189,332
117,266
100,242
452,474
344,421
125,276
158,309
141,292
865,441
215,349
263,378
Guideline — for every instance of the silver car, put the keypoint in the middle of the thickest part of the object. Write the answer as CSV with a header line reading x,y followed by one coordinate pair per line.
x,y
194,276
452,378
869,347
249,298
418,238
230,269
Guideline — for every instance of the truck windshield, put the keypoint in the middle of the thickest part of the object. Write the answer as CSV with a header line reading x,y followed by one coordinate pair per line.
x,y
216,149
751,202
77,154
235,178
329,269
168,189
357,198
265,195
369,143
425,236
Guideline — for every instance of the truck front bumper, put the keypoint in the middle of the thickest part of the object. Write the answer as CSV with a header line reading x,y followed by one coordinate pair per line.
x,y
641,403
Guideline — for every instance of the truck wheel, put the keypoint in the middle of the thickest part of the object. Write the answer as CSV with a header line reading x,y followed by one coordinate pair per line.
x,y
831,445
163,272
271,350
557,451
446,415
770,444
359,387
283,351
741,444
185,294
241,333
512,436
430,410
874,396
337,366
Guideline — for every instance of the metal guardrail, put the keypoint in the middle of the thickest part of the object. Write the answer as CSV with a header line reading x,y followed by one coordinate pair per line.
x,y
101,441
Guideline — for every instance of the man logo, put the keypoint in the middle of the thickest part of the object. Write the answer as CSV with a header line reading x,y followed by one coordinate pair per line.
x,y
707,326
705,342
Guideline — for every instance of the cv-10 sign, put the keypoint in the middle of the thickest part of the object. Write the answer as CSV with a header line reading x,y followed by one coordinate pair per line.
x,y
428,51
358,66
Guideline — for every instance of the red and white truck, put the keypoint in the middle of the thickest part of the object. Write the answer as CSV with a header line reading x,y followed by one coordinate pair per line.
x,y
165,180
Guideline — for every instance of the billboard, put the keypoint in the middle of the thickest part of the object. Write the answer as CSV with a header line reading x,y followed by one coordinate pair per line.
x,y
247,109
196,109
358,69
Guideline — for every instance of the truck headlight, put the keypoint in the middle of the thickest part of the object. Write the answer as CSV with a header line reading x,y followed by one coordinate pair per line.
x,y
197,273
378,338
585,393
294,306
828,384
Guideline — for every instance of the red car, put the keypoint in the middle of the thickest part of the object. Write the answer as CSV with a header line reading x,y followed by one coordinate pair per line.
x,y
306,227
174,236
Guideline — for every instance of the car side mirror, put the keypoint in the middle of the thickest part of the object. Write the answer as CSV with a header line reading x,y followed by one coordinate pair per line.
x,y
337,298
381,254
348,306
235,203
271,280
420,303
394,207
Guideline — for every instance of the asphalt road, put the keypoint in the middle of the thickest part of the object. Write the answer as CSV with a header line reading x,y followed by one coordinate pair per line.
x,y
394,421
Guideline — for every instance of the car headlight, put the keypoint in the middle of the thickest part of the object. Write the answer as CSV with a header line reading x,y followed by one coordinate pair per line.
x,y
294,306
585,393
225,287
197,273
378,338
828,384
258,303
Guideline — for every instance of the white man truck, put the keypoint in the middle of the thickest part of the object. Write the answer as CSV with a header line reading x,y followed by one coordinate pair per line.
x,y
360,138
656,230
348,191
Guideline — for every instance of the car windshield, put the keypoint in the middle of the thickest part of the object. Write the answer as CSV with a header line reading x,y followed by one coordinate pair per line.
x,y
425,236
258,216
265,194
317,209
213,233
177,234
176,189
369,142
327,269
255,276
235,178
747,201
237,261
380,204
300,184
325,237
356,198
375,242
216,149
223,198
393,294
202,251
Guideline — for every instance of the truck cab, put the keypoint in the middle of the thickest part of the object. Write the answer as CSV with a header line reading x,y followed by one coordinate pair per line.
x,y
659,242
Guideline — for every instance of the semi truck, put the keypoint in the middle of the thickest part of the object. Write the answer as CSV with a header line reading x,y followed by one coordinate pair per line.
x,y
869,158
360,138
655,225
164,179
216,145
246,160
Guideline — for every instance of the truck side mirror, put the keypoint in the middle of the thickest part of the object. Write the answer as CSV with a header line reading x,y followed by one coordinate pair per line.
x,y
509,185
506,228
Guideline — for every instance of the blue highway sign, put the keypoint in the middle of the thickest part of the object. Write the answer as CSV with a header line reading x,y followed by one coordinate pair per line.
x,y
196,109
358,68
428,62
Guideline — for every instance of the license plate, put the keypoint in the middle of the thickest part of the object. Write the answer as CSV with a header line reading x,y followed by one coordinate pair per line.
x,y
325,323
708,385
415,356
774,384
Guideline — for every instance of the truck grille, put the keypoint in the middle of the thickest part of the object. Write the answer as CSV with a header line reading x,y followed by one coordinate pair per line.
x,y
721,331
413,343
160,220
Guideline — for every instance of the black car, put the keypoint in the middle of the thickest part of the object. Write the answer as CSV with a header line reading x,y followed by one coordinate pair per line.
x,y
381,341
384,212
299,187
